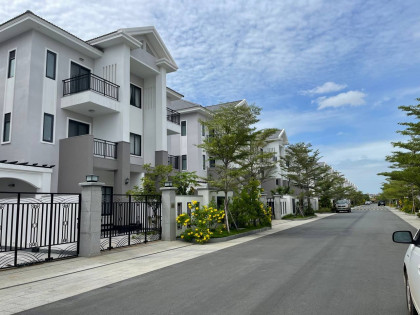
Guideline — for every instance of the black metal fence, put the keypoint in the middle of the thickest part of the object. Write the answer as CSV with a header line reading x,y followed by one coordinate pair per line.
x,y
270,203
173,116
38,227
130,219
106,149
90,82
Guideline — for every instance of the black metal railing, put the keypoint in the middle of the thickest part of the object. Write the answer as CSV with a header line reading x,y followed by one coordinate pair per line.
x,y
174,161
173,116
90,82
106,149
270,203
130,219
38,227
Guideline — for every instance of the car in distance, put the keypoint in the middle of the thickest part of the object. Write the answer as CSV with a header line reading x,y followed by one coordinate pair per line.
x,y
343,205
368,202
381,203
411,269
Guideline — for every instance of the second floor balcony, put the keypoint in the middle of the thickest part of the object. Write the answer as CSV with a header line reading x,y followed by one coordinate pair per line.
x,y
90,95
174,121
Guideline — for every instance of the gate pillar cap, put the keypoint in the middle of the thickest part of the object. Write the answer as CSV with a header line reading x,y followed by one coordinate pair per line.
x,y
87,184
167,188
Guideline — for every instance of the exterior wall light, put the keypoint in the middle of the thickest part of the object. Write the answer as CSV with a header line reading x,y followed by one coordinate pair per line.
x,y
92,178
127,180
168,184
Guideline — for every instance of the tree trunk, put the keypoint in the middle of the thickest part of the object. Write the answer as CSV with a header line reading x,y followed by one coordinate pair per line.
x,y
226,212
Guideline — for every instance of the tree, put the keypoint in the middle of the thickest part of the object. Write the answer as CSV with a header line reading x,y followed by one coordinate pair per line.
x,y
154,178
184,182
303,169
230,132
406,161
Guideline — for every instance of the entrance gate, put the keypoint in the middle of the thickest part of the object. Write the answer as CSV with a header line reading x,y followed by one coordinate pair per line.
x,y
38,227
130,219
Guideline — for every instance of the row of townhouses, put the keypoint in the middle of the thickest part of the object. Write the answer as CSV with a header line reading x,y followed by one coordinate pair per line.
x,y
71,107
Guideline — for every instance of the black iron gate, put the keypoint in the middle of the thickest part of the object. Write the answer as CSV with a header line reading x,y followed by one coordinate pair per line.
x,y
38,227
270,203
130,219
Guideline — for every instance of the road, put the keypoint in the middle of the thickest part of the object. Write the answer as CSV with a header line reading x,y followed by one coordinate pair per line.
x,y
343,264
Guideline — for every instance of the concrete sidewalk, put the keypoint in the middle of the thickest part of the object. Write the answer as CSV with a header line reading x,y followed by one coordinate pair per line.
x,y
411,219
28,287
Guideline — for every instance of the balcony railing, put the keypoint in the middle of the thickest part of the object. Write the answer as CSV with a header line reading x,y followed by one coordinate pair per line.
x,y
90,82
103,148
174,161
173,116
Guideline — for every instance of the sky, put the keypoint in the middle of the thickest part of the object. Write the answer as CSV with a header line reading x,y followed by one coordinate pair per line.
x,y
331,73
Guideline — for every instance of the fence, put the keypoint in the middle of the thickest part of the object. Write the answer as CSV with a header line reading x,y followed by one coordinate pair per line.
x,y
90,82
38,227
130,219
103,148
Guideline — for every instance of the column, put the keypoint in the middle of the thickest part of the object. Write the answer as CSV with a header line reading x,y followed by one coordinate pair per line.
x,y
168,214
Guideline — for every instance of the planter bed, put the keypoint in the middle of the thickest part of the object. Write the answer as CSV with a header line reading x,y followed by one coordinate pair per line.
x,y
231,237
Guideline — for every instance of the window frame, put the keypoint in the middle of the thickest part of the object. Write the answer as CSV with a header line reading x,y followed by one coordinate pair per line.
x,y
79,121
203,130
204,162
49,52
141,94
9,64
9,128
51,129
182,162
185,128
135,135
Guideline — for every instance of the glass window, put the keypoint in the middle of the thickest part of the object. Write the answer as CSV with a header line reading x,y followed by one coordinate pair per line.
x,y
212,162
51,62
183,128
204,162
135,144
184,163
135,96
203,130
6,127
77,128
48,128
12,64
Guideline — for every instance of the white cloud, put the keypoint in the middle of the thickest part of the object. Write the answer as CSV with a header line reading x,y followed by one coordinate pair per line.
x,y
352,98
327,87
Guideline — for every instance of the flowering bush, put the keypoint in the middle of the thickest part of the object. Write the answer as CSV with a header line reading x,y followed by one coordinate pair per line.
x,y
203,221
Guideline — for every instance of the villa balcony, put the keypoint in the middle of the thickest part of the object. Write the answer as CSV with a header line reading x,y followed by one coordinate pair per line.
x,y
174,121
90,95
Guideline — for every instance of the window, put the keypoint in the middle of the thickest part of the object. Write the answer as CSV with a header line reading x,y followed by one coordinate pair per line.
x,y
203,130
6,127
204,162
51,64
135,96
77,128
184,163
277,181
48,128
212,162
12,64
183,128
135,144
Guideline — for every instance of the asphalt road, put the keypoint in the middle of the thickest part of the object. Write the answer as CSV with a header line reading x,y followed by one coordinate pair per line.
x,y
343,264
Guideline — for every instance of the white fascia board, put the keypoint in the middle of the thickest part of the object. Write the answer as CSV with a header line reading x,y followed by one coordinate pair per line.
x,y
195,109
152,70
113,39
173,95
31,22
170,67
25,168
243,102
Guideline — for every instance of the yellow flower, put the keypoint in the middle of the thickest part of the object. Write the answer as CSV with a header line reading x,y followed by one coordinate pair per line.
x,y
182,236
196,208
194,202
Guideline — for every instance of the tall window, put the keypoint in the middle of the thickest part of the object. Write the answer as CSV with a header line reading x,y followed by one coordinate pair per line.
x,y
6,127
48,128
51,64
203,130
204,162
184,163
135,144
77,128
183,128
212,162
135,96
12,64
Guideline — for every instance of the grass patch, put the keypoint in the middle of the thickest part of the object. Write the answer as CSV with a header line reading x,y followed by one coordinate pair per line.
x,y
297,217
225,233
324,210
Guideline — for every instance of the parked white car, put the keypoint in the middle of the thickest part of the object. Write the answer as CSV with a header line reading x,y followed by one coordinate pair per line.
x,y
411,269
343,205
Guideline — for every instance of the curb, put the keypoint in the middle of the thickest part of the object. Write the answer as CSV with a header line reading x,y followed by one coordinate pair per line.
x,y
232,237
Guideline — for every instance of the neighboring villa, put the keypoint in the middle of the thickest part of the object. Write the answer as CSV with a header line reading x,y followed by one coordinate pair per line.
x,y
71,107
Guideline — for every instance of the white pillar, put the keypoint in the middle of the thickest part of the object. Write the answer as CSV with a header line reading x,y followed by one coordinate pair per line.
x,y
277,207
263,199
289,204
168,214
205,193
90,219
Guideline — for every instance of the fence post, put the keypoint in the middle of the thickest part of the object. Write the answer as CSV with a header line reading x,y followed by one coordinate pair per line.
x,y
90,219
168,214
289,204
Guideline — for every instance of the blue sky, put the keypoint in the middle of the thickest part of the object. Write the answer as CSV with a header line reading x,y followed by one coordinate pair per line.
x,y
331,73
